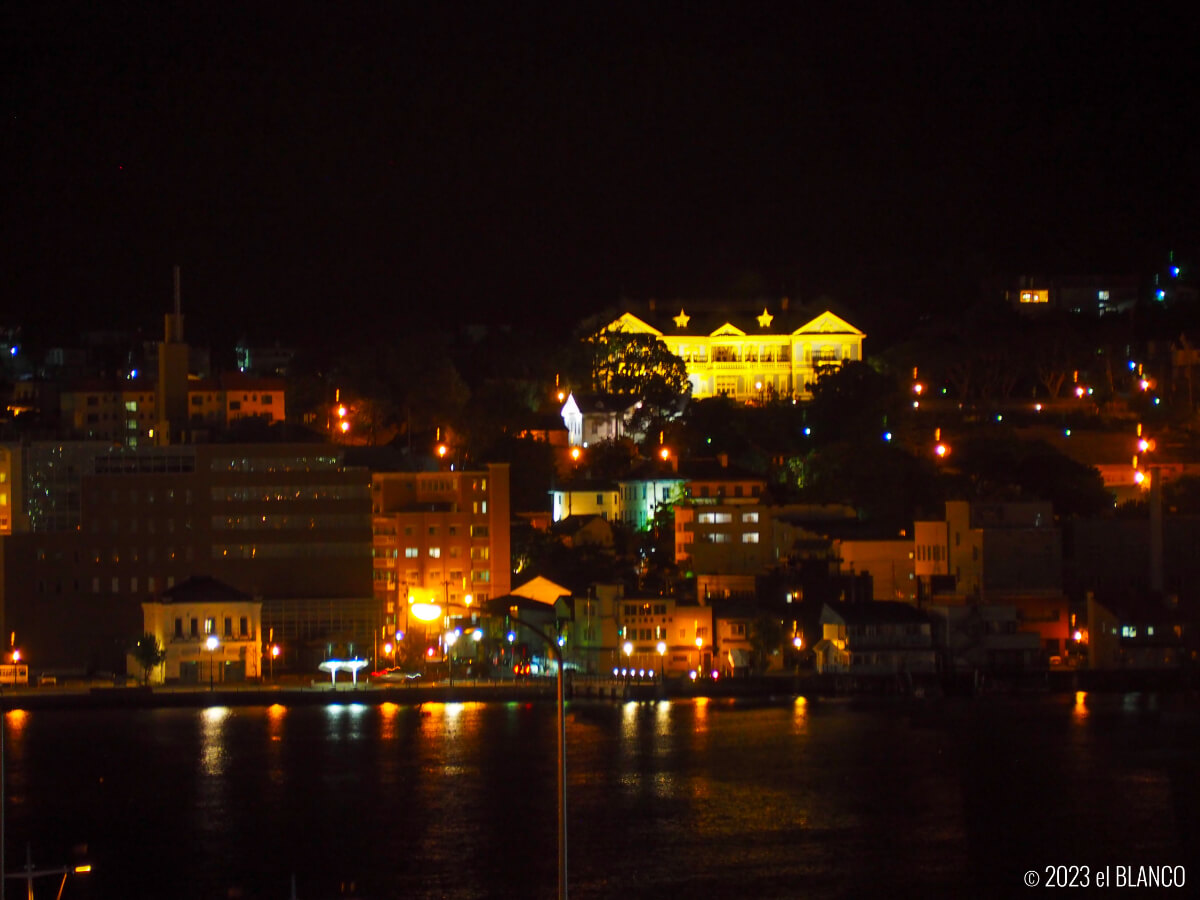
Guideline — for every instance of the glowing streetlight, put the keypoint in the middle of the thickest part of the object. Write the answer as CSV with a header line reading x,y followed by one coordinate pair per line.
x,y
661,647
425,612
211,643
664,454
699,653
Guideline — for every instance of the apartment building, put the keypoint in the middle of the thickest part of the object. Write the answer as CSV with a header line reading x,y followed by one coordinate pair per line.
x,y
440,537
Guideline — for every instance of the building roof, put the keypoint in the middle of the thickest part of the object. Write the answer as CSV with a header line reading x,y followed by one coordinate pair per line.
x,y
705,469
590,403
764,316
878,612
572,525
204,589
584,485
541,590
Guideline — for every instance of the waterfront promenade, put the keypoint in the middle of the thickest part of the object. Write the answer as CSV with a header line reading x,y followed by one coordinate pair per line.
x,y
297,691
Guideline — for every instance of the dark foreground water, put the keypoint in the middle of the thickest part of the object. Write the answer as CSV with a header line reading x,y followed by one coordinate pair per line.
x,y
672,800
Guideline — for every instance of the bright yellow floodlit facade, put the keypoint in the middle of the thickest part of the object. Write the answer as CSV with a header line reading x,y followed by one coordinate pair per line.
x,y
751,358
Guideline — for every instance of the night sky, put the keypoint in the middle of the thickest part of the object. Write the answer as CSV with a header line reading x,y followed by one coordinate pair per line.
x,y
325,169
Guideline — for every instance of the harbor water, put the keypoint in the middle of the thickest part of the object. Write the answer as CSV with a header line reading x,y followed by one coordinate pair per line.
x,y
679,799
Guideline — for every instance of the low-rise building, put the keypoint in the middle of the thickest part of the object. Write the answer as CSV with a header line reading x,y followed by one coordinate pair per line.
x,y
873,638
1136,633
592,418
210,631
985,638
586,497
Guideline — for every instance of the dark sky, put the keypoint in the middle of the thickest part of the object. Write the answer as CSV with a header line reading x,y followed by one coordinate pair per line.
x,y
318,169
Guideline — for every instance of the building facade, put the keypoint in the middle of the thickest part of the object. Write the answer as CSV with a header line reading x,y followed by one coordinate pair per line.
x,y
109,528
209,632
440,537
748,356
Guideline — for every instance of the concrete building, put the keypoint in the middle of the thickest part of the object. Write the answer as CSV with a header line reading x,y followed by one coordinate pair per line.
x,y
889,563
997,553
440,538
109,528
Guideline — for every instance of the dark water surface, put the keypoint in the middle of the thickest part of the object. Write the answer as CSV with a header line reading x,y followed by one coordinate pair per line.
x,y
687,799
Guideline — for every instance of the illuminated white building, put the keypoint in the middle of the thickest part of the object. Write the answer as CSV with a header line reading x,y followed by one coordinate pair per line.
x,y
749,356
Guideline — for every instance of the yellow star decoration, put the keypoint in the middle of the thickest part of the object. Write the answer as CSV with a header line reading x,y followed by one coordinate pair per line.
x,y
681,320
764,321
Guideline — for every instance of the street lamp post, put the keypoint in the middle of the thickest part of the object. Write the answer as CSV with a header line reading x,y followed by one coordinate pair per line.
x,y
450,638
662,660
699,657
211,644
557,652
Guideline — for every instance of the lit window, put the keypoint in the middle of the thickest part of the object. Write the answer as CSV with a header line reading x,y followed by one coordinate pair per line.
x,y
750,537
411,552
435,552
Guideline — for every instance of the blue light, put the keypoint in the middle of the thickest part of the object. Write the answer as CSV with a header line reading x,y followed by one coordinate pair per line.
x,y
1160,294
1132,365
1174,271
887,435
13,350
1157,401
807,431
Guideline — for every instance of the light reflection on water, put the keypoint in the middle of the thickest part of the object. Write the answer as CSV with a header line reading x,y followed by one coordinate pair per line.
x,y
212,743
704,799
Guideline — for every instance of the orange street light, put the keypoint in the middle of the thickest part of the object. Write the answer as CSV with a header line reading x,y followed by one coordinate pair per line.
x,y
665,453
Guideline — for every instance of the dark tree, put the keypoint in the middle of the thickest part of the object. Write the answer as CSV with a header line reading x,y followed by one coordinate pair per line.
x,y
856,402
148,654
1001,467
